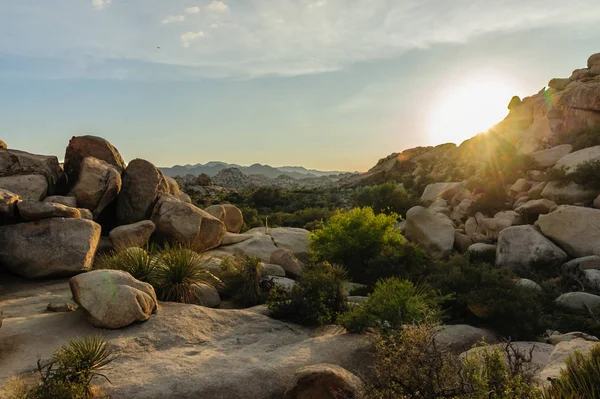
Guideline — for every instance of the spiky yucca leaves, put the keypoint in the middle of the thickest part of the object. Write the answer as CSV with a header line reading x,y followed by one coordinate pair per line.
x,y
69,373
580,379
179,271
242,280
140,263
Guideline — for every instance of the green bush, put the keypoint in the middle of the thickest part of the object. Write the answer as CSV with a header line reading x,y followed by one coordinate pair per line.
x,y
352,238
485,295
242,280
68,375
138,262
580,379
393,303
317,298
178,273
405,260
586,138
385,198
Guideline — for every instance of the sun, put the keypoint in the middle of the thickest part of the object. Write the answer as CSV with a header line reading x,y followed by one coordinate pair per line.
x,y
465,109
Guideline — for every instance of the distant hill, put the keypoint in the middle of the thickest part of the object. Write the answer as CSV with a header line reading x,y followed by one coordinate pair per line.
x,y
214,167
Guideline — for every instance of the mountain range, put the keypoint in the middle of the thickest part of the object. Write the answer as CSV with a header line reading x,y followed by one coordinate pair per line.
x,y
214,167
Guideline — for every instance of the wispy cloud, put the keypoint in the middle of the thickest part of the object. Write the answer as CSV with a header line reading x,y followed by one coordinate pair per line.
x,y
193,10
188,38
100,4
257,37
173,18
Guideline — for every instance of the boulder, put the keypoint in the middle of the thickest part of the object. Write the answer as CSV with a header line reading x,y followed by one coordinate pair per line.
x,y
536,190
173,186
8,206
3,145
35,210
583,97
555,339
493,226
591,278
113,298
594,64
579,302
81,147
523,246
575,229
429,231
230,215
60,199
568,194
286,259
440,190
462,242
286,283
537,207
292,238
324,381
561,352
232,238
519,186
577,265
132,235
207,295
597,202
16,163
273,270
513,217
61,307
462,337
86,213
183,197
525,282
142,185
98,185
49,247
572,161
260,245
186,224
551,156
559,84
484,252
28,187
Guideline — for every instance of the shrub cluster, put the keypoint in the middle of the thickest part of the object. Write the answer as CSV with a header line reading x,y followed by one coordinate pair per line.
x,y
242,280
385,198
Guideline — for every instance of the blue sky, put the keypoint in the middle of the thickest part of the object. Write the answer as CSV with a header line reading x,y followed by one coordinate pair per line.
x,y
329,84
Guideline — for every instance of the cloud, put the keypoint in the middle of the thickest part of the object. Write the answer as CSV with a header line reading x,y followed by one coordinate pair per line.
x,y
193,10
218,6
189,37
173,18
100,4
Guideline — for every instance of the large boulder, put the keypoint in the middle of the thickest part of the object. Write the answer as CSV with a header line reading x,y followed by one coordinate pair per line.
x,y
292,238
230,215
440,190
573,160
132,235
49,247
536,207
63,200
260,245
524,246
207,295
324,381
186,224
113,298
550,157
16,163
286,259
35,210
577,265
434,234
594,64
561,352
568,194
98,185
462,337
575,229
8,206
28,187
583,97
81,147
143,184
579,302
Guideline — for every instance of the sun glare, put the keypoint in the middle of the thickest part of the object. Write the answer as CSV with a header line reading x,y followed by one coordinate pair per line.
x,y
463,110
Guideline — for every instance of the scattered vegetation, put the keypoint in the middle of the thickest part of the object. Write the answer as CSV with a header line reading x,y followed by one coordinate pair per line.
x,y
580,378
138,262
385,198
242,280
317,298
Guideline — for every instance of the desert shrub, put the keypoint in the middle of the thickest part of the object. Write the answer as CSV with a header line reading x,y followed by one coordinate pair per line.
x,y
138,262
352,238
587,138
241,278
68,375
587,175
385,198
405,260
393,303
317,297
580,378
178,273
410,364
493,198
485,295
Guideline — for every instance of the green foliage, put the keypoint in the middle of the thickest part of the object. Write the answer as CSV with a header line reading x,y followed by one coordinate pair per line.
x,y
317,298
178,273
352,238
493,198
482,294
580,379
68,375
242,280
385,198
587,138
405,260
587,175
138,262
410,364
393,304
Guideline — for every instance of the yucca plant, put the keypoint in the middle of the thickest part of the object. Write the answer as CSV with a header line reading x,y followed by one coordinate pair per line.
x,y
140,263
68,375
178,272
580,378
242,280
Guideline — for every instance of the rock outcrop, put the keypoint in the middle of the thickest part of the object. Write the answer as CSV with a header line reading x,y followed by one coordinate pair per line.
x,y
431,232
132,235
230,215
575,229
286,259
524,246
98,185
81,147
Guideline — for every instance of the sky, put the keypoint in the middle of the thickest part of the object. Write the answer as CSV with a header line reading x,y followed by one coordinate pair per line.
x,y
326,84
